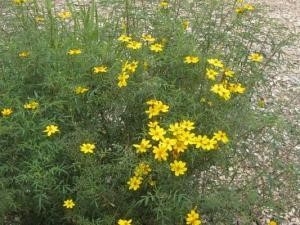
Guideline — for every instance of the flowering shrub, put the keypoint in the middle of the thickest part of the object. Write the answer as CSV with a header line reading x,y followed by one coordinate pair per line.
x,y
112,119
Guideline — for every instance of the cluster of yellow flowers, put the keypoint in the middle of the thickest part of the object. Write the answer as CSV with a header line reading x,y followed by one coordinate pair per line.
x,y
244,8
64,15
146,38
19,2
216,71
256,57
192,218
128,68
170,143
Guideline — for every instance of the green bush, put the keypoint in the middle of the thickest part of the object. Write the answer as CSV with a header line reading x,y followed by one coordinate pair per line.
x,y
114,111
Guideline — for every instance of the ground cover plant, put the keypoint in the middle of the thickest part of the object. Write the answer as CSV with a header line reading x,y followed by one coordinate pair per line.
x,y
112,113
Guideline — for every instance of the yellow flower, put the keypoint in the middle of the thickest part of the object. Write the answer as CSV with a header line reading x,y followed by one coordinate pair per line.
x,y
122,78
87,148
31,105
69,204
178,167
205,143
99,69
148,38
168,143
124,38
221,90
221,136
143,146
134,183
134,45
249,7
164,4
152,124
156,47
51,129
142,169
216,62
272,222
156,107
124,222
186,24
160,152
19,2
80,90
211,74
191,59
6,112
193,218
228,72
186,137
74,51
24,54
256,57
39,19
130,67
157,133
236,88
64,15
187,124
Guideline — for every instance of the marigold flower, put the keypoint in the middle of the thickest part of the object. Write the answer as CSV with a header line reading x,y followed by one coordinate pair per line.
x,y
221,136
216,62
19,2
87,148
24,54
134,45
178,167
152,124
156,107
124,38
156,47
236,88
272,222
211,74
256,57
99,69
191,59
39,19
157,133
69,204
80,90
130,67
221,90
124,222
31,105
168,143
179,147
228,72
64,15
187,124
186,24
142,169
160,152
176,129
51,129
134,183
6,112
164,4
122,78
193,218
205,143
148,38
143,146
74,51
